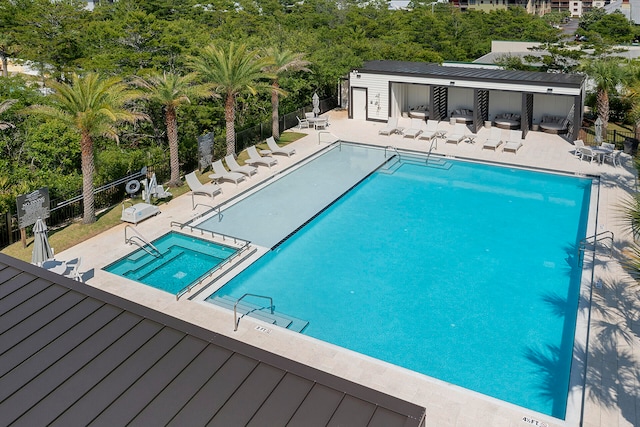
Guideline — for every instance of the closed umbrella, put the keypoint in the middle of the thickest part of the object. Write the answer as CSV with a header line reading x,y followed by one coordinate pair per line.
x,y
598,126
41,247
316,104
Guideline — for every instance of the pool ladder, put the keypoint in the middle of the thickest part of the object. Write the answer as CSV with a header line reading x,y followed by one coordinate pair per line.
x,y
236,321
139,240
590,244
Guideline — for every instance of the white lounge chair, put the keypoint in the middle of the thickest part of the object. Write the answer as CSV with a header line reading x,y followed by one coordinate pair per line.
x,y
198,188
430,131
515,141
458,133
414,129
275,149
256,159
235,167
391,127
222,173
495,139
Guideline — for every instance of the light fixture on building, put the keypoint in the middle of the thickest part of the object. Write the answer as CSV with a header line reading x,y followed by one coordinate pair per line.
x,y
549,90
452,83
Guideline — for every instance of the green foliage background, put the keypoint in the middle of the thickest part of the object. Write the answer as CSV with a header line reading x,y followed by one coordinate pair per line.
x,y
130,37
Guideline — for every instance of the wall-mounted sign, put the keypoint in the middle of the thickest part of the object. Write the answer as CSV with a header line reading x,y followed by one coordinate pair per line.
x,y
32,206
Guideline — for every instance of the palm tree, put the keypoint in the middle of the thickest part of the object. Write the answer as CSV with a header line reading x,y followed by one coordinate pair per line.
x,y
606,73
282,62
231,70
93,106
171,91
4,106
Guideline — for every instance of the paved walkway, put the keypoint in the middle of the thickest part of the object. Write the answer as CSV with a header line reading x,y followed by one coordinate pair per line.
x,y
612,395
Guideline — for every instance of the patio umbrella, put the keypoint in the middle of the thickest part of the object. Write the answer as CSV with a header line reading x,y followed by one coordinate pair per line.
x,y
316,104
41,248
598,126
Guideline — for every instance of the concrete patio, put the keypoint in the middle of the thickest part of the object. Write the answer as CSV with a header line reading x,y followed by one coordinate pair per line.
x,y
612,353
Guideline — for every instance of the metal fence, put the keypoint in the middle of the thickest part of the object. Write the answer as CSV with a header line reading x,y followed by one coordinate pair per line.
x,y
109,195
262,131
615,136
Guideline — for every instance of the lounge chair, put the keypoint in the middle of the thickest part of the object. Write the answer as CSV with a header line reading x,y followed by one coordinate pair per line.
x,y
222,173
458,133
235,167
431,130
414,129
495,139
198,188
276,149
256,159
391,127
515,141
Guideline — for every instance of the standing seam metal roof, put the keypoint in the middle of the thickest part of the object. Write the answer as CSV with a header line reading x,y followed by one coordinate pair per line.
x,y
425,69
71,354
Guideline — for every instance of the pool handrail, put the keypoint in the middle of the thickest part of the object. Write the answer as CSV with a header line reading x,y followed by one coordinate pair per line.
x,y
236,321
138,236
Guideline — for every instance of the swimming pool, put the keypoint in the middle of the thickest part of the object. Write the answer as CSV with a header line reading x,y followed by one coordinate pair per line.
x,y
470,267
182,261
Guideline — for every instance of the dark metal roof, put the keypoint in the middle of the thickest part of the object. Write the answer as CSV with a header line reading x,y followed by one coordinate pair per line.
x,y
71,354
425,69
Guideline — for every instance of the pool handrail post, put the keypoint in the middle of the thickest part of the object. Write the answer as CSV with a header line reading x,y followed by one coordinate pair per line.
x,y
236,321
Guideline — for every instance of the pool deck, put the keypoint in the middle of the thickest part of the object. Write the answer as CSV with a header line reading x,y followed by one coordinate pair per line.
x,y
612,392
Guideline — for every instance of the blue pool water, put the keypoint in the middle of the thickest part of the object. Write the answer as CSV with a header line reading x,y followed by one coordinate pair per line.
x,y
466,274
184,260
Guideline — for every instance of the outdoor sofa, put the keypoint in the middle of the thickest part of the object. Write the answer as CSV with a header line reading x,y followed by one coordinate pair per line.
x,y
554,124
462,115
507,121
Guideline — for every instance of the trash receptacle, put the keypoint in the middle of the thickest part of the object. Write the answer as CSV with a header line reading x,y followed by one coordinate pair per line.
x,y
630,145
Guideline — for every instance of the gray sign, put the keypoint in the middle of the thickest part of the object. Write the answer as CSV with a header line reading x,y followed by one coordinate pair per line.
x,y
32,206
205,150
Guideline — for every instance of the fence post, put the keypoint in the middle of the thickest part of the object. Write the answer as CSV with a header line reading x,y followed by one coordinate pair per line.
x,y
7,219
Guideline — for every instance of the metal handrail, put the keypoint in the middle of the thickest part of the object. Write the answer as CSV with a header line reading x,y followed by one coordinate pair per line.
x,y
211,272
137,235
390,147
603,235
236,321
326,132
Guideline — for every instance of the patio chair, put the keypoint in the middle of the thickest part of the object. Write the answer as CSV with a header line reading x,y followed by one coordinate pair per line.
x,y
495,139
302,123
276,149
256,159
458,133
222,173
198,188
613,157
514,143
320,123
578,144
414,129
75,270
391,127
233,165
587,152
430,131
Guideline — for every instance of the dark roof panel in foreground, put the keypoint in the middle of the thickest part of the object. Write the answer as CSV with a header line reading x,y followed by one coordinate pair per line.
x,y
426,69
71,354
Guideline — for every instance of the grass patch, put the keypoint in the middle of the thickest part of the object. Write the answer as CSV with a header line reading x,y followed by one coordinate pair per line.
x,y
72,234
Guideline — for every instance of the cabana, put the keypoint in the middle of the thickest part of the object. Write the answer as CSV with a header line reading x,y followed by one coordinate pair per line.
x,y
383,89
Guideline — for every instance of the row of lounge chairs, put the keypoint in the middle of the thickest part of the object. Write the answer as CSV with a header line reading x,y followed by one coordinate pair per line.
x,y
418,129
236,172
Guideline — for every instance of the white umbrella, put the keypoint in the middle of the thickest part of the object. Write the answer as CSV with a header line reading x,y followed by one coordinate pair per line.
x,y
598,126
41,248
316,104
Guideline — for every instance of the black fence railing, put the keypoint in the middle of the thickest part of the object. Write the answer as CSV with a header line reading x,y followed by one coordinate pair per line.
x,y
113,193
262,131
615,136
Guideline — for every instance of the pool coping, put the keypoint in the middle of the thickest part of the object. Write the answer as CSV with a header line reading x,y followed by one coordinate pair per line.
x,y
444,408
